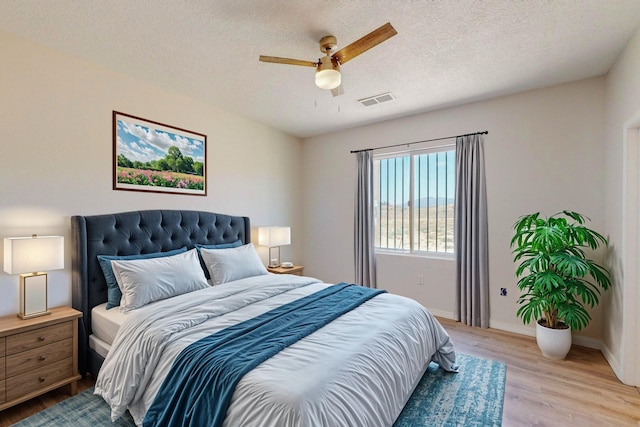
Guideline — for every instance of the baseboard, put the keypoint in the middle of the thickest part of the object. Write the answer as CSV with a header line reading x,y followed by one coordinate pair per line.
x,y
613,361
587,342
531,332
442,313
509,327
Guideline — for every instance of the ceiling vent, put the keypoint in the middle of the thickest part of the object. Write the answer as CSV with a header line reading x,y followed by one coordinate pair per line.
x,y
377,99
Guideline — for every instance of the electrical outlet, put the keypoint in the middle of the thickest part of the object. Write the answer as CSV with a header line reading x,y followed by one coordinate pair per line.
x,y
503,292
420,279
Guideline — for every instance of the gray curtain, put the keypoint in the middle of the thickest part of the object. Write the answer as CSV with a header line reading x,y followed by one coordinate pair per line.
x,y
471,233
364,218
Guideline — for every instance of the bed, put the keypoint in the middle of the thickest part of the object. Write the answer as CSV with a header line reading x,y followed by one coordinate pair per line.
x,y
357,368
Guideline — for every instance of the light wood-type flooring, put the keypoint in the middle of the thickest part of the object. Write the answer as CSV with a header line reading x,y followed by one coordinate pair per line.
x,y
579,391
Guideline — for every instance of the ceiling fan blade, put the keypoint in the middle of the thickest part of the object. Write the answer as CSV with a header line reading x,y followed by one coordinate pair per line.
x,y
337,91
287,61
365,43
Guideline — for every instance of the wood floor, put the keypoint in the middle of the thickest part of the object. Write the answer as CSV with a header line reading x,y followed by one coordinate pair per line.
x,y
579,391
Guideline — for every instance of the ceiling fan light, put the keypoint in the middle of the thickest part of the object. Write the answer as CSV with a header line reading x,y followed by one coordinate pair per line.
x,y
328,73
328,79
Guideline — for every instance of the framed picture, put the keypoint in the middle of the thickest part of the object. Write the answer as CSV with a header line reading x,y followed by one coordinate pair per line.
x,y
151,156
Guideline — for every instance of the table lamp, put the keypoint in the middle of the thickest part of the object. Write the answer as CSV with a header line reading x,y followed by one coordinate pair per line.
x,y
29,257
274,237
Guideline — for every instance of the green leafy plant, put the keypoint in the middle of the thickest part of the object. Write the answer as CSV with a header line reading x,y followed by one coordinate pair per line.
x,y
556,279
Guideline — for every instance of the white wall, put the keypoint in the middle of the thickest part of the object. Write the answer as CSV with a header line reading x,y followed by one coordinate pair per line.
x,y
544,152
622,328
56,158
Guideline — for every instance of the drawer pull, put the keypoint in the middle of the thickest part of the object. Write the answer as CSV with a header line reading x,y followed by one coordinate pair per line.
x,y
41,338
41,358
41,379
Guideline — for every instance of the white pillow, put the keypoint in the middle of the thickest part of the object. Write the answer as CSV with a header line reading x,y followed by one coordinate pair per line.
x,y
142,281
225,265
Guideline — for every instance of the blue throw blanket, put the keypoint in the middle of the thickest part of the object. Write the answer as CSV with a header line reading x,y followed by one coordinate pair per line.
x,y
201,382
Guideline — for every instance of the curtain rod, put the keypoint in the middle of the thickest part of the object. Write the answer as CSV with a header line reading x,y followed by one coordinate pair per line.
x,y
418,142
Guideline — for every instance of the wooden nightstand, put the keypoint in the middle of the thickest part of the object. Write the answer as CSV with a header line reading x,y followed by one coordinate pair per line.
x,y
296,269
38,355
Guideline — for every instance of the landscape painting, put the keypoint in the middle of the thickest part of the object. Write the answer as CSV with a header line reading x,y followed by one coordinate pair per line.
x,y
151,156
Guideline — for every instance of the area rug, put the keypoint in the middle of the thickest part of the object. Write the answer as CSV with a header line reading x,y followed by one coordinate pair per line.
x,y
471,397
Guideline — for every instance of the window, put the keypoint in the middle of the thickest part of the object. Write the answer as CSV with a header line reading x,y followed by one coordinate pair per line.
x,y
414,196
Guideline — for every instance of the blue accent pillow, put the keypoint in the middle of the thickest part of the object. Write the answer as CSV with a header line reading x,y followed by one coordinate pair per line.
x,y
235,244
113,290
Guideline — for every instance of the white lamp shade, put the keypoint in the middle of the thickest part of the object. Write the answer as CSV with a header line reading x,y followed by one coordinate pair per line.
x,y
33,254
274,236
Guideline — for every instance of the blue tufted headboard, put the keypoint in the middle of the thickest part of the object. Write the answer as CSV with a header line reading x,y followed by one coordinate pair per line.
x,y
129,233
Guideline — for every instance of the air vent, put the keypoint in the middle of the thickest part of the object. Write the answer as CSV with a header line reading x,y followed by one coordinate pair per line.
x,y
377,99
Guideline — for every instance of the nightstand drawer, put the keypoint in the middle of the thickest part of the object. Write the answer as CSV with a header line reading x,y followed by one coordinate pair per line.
x,y
2,341
28,382
32,359
2,373
3,397
38,338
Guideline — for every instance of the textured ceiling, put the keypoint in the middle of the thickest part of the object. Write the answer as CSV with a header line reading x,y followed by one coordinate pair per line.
x,y
447,52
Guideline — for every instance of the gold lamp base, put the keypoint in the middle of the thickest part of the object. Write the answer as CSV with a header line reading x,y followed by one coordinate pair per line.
x,y
274,260
33,295
31,316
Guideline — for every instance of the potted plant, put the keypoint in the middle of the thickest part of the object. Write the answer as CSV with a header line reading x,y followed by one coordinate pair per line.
x,y
556,278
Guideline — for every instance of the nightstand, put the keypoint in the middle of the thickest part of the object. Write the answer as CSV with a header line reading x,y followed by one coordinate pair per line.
x,y
38,355
296,269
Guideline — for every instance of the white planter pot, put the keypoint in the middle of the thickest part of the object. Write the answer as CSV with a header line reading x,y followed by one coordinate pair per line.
x,y
553,343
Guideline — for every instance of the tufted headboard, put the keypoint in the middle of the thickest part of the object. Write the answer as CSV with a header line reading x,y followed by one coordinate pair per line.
x,y
130,233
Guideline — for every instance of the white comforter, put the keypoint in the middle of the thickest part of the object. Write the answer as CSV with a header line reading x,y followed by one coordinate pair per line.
x,y
357,371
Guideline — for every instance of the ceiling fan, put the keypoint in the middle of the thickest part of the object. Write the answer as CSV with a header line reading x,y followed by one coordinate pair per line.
x,y
328,67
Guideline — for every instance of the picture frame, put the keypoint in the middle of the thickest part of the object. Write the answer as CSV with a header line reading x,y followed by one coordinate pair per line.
x,y
155,157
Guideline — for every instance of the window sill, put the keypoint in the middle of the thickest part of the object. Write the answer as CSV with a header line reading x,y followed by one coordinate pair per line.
x,y
429,255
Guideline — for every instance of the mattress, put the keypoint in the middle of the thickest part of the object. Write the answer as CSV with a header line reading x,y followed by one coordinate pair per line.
x,y
99,346
106,323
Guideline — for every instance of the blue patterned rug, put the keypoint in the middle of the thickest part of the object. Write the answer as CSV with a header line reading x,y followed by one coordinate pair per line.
x,y
472,397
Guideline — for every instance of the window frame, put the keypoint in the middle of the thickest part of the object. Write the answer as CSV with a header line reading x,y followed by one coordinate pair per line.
x,y
413,154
